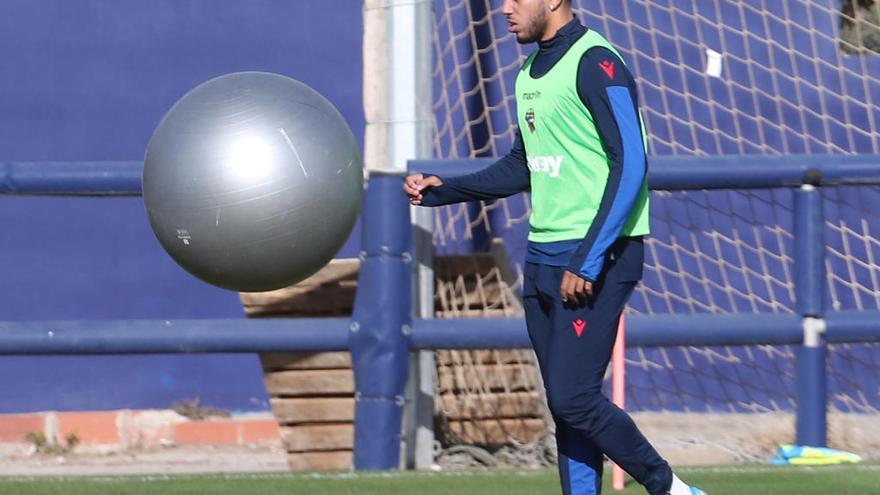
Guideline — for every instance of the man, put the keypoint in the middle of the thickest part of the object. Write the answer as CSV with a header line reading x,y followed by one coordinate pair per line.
x,y
580,149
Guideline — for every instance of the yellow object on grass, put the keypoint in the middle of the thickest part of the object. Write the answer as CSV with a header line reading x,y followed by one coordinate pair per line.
x,y
802,455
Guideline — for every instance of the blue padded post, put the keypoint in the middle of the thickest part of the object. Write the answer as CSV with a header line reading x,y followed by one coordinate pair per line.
x,y
381,327
809,251
809,268
811,396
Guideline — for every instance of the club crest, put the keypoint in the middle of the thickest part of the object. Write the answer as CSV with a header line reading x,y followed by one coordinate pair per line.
x,y
530,120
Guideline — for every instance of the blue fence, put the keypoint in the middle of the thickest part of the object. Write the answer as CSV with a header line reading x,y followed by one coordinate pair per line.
x,y
381,332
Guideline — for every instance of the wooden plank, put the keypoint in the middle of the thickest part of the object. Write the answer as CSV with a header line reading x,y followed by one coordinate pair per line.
x,y
491,406
320,461
288,295
324,301
274,361
318,437
454,265
283,296
291,411
502,356
499,377
487,431
298,383
333,272
330,292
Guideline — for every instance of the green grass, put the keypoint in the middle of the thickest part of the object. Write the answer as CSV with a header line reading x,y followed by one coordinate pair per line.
x,y
732,480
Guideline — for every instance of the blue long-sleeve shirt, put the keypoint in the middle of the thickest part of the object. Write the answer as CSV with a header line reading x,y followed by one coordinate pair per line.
x,y
611,99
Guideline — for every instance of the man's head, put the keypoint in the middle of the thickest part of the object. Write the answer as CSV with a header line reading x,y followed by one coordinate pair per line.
x,y
536,20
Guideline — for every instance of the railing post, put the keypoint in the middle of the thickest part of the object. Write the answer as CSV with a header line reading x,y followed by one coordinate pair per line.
x,y
381,323
809,268
421,386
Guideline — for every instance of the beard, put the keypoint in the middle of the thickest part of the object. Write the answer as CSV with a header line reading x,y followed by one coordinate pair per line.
x,y
535,29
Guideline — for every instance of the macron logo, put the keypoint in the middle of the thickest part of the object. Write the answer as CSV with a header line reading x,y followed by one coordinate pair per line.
x,y
608,67
550,165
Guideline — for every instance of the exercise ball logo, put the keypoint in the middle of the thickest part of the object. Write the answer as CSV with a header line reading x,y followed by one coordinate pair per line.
x,y
252,181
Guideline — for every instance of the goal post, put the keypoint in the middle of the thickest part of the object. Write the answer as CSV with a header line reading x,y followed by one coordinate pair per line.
x,y
720,78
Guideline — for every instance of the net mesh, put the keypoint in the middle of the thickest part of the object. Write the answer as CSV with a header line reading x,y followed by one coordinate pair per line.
x,y
714,77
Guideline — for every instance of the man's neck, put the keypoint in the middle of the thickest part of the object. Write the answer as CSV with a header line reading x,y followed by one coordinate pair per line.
x,y
557,21
562,35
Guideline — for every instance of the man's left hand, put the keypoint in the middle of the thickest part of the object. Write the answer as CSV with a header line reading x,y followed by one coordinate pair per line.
x,y
574,288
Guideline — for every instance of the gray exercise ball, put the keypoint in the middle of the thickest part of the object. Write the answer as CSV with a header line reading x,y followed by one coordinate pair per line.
x,y
252,181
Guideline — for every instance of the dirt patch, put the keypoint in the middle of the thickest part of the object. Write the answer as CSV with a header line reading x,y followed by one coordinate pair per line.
x,y
16,461
683,439
699,439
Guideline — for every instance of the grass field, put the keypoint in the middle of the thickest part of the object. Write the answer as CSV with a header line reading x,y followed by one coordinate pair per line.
x,y
740,480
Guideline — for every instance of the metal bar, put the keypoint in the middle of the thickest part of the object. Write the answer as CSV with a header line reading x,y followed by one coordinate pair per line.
x,y
398,60
173,336
470,333
809,269
331,334
809,251
721,172
381,323
642,331
852,327
421,387
711,329
71,178
811,392
667,173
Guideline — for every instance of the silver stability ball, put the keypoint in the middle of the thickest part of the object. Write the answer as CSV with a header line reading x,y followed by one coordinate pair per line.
x,y
252,181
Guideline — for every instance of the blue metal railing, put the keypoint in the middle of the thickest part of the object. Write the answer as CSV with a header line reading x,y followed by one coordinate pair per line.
x,y
173,336
812,326
380,332
667,173
71,178
674,173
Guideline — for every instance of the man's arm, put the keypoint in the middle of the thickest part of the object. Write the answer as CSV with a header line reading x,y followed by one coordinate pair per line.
x,y
608,91
508,176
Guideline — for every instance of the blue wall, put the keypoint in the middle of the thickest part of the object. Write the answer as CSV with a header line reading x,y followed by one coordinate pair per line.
x,y
89,80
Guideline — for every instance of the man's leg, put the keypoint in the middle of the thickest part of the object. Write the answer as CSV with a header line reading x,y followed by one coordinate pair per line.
x,y
580,348
580,462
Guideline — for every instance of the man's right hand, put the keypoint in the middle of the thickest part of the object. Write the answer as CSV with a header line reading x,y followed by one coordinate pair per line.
x,y
414,184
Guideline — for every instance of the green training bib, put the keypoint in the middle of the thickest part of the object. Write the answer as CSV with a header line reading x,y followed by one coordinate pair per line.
x,y
568,165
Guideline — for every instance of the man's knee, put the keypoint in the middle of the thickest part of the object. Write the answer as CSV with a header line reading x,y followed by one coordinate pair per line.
x,y
583,410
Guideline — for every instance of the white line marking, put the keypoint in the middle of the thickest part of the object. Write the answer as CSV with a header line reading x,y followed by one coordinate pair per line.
x,y
452,473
